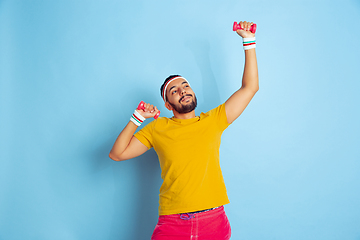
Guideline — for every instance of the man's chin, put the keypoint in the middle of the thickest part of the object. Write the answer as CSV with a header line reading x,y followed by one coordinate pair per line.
x,y
185,106
189,107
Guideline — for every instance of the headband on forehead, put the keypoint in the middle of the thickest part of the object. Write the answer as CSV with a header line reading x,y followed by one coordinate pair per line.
x,y
167,84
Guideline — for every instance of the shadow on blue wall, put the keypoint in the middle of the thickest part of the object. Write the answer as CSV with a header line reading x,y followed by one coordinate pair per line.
x,y
136,181
200,49
148,198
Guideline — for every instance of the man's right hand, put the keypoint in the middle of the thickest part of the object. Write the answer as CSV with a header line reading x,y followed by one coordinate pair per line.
x,y
149,111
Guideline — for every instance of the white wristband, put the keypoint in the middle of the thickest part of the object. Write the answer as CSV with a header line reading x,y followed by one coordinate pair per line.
x,y
137,119
249,43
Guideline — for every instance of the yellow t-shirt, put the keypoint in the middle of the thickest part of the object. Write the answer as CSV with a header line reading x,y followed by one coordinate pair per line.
x,y
188,152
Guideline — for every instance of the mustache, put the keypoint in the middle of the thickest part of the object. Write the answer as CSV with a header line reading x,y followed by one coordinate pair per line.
x,y
186,95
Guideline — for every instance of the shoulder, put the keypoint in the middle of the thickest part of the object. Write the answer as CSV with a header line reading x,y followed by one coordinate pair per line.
x,y
219,110
218,116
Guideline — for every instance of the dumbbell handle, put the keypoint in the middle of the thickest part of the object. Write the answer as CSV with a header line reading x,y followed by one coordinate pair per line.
x,y
237,26
142,106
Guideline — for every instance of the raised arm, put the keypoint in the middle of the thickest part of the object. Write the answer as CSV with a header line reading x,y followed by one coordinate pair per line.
x,y
126,145
237,103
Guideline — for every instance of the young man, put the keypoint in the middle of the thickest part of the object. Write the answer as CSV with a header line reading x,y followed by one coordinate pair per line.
x,y
193,191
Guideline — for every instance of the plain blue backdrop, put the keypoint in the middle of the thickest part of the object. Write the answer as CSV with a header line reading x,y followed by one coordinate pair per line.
x,y
72,72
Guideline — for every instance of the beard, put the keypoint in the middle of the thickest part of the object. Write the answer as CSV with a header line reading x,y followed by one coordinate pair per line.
x,y
185,108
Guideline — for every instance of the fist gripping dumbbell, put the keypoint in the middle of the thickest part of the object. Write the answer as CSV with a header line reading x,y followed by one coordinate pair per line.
x,y
142,107
237,26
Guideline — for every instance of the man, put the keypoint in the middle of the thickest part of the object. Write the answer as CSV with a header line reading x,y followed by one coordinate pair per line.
x,y
193,191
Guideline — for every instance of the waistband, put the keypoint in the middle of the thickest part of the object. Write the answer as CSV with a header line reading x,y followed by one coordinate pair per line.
x,y
190,215
206,210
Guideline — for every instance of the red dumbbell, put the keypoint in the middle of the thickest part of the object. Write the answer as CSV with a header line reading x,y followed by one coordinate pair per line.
x,y
141,107
237,26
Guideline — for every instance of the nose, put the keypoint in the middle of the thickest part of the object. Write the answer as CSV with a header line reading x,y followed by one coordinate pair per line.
x,y
182,91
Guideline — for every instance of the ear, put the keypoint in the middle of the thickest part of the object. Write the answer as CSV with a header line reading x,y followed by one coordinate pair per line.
x,y
168,106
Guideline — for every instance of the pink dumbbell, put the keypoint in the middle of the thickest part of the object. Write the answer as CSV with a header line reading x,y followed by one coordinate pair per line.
x,y
237,26
141,107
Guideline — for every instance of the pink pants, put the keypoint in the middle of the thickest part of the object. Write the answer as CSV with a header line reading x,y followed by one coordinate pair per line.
x,y
211,225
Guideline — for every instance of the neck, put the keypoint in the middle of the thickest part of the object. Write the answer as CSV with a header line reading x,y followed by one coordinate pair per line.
x,y
184,115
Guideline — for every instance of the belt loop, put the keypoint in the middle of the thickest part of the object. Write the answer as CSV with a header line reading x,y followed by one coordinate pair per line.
x,y
186,216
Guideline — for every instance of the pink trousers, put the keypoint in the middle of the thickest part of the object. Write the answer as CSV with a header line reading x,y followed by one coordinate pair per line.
x,y
211,225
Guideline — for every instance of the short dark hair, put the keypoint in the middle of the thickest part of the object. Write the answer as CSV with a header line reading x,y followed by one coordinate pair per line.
x,y
166,80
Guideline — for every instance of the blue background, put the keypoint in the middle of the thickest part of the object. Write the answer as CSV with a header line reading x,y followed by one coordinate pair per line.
x,y
72,73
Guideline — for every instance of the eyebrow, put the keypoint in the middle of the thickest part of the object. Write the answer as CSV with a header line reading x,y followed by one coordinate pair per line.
x,y
175,85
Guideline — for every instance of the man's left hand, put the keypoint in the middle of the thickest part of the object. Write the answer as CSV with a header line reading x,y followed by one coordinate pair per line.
x,y
245,31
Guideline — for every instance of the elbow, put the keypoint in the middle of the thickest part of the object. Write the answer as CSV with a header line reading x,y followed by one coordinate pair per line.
x,y
251,88
112,157
115,157
255,88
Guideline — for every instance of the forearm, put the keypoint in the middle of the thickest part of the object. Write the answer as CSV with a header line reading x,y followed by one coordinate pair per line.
x,y
237,103
126,145
123,140
250,78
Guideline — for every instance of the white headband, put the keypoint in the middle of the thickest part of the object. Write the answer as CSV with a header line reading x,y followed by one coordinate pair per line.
x,y
166,85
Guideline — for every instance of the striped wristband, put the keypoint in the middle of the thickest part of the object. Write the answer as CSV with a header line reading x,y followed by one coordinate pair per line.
x,y
249,43
137,119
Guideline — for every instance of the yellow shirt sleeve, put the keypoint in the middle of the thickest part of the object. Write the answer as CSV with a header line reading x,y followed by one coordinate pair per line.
x,y
145,135
219,114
